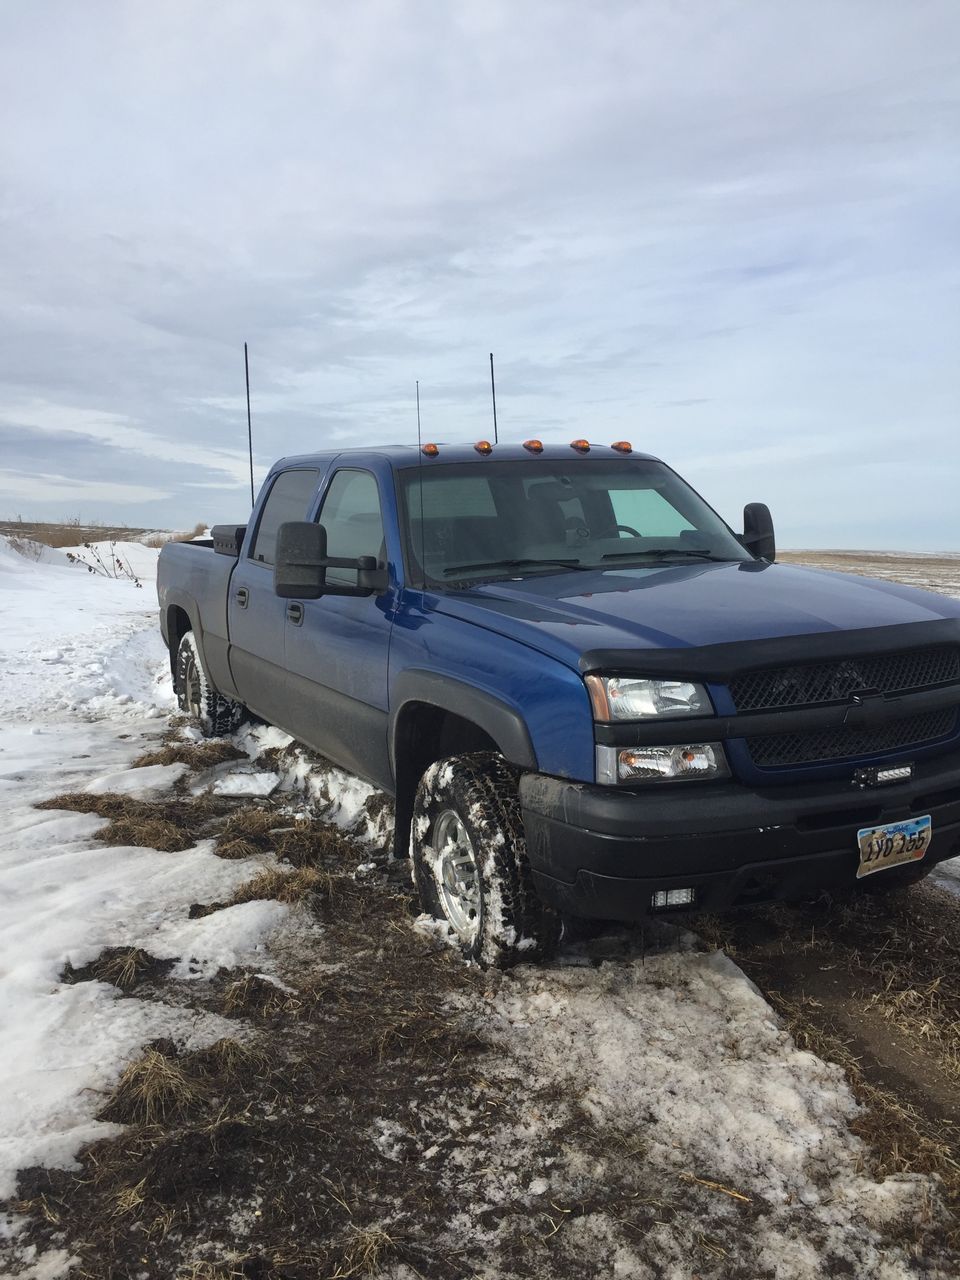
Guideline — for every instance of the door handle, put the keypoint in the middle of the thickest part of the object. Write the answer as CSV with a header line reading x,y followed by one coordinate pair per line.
x,y
295,613
243,596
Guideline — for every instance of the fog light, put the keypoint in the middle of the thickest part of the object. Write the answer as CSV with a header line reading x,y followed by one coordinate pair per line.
x,y
880,775
672,898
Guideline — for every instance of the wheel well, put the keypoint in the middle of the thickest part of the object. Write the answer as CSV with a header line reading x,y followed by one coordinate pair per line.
x,y
178,624
425,733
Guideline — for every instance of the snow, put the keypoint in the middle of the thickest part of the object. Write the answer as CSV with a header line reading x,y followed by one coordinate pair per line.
x,y
117,559
84,689
242,783
676,1059
143,782
947,875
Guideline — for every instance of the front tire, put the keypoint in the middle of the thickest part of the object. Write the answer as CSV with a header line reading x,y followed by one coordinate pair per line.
x,y
196,696
470,866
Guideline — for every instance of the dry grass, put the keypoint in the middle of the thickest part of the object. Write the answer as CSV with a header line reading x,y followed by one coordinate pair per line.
x,y
227,1059
234,1269
169,825
302,843
124,967
255,996
198,755
248,832
366,1250
154,1088
305,885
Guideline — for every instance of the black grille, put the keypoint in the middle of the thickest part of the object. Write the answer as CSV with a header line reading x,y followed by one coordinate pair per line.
x,y
820,682
841,744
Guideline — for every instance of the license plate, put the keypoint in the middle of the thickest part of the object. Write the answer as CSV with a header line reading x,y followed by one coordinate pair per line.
x,y
893,844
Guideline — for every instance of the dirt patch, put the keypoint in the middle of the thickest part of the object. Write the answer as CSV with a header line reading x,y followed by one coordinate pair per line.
x,y
126,968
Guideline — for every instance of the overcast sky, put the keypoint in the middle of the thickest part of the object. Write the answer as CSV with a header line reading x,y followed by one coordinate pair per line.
x,y
727,230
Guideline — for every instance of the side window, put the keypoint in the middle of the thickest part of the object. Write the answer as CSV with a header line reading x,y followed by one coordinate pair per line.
x,y
289,499
649,512
351,516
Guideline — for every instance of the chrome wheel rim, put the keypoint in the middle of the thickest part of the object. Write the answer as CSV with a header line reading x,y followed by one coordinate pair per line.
x,y
457,875
191,687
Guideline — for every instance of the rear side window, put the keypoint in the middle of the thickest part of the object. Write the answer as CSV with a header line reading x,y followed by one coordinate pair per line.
x,y
290,497
351,516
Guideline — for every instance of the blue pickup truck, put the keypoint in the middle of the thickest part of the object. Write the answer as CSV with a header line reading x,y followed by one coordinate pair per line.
x,y
586,693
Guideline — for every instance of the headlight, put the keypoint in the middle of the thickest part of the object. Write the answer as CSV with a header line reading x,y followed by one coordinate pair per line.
x,y
632,698
704,760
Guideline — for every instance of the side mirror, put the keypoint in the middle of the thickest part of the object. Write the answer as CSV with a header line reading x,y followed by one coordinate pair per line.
x,y
300,565
758,536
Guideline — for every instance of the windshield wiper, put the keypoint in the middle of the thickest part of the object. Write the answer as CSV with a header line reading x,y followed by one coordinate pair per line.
x,y
661,553
508,564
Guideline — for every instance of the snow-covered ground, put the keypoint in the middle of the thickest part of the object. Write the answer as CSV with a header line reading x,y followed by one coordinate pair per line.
x,y
84,689
678,1044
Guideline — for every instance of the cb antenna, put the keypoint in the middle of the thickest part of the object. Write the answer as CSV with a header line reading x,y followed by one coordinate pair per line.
x,y
423,571
493,393
246,370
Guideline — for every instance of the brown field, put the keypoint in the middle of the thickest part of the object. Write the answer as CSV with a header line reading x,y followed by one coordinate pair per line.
x,y
71,533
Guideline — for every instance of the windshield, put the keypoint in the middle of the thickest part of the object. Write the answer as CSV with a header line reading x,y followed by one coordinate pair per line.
x,y
513,519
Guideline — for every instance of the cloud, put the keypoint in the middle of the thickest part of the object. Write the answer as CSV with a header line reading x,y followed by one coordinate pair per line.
x,y
722,232
52,488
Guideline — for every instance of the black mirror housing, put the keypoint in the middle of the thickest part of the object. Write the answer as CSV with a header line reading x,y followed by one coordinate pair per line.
x,y
300,565
758,536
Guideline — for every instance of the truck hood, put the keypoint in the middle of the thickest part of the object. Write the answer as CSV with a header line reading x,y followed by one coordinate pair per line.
x,y
686,606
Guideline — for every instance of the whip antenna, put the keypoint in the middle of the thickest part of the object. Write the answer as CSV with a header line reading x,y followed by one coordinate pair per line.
x,y
493,393
423,570
246,370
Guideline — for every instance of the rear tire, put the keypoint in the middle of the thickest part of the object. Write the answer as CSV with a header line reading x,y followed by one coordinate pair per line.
x,y
216,715
470,865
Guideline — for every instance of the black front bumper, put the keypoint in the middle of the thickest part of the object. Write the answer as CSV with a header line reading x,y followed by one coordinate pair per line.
x,y
603,851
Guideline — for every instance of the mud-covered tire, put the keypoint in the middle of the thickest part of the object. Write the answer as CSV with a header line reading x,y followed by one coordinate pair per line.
x,y
476,796
216,715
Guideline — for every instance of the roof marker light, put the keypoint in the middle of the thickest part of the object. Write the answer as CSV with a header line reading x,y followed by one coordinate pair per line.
x,y
431,450
483,446
622,446
581,446
533,446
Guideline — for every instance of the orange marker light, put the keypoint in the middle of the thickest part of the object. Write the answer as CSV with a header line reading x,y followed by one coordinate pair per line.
x,y
622,446
581,446
431,450
533,446
483,446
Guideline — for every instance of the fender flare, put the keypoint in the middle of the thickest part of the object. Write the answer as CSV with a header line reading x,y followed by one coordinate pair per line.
x,y
498,719
180,600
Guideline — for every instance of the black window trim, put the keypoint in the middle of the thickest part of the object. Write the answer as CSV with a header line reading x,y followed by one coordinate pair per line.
x,y
328,485
251,550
